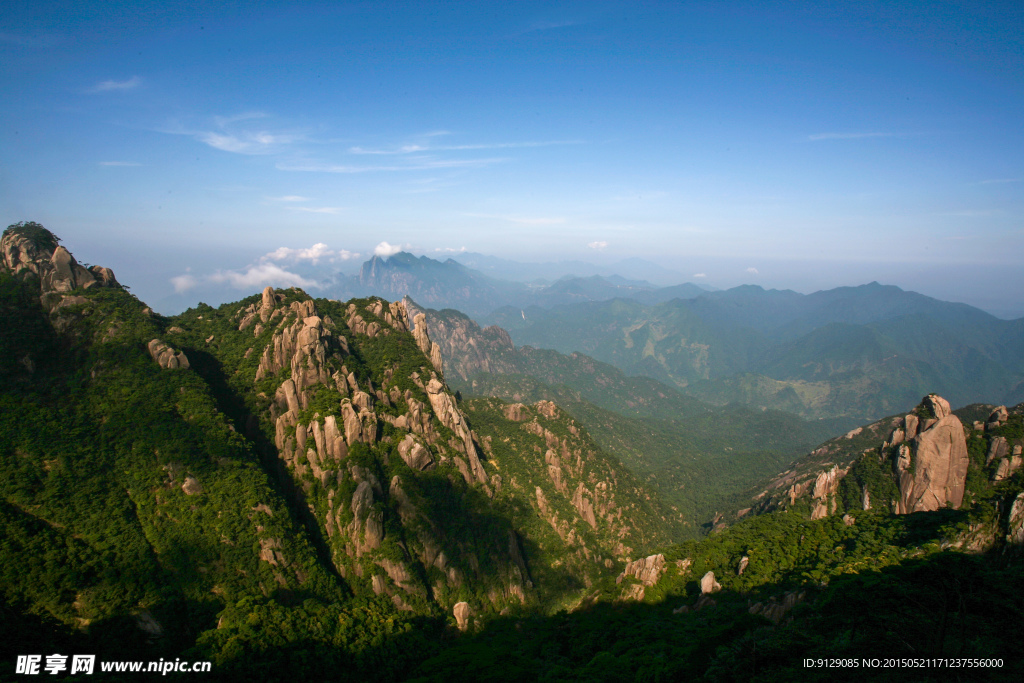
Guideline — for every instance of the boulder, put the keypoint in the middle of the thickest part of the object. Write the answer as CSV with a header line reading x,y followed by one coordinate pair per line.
x,y
462,612
165,356
932,469
647,569
414,454
1015,526
997,449
708,584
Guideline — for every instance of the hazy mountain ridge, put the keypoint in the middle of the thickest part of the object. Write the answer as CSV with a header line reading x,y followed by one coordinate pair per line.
x,y
858,352
453,284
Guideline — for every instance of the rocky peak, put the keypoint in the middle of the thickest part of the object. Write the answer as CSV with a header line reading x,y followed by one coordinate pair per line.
x,y
932,466
28,247
925,452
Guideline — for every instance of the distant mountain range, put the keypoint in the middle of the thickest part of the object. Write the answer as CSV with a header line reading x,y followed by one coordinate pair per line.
x,y
451,284
858,352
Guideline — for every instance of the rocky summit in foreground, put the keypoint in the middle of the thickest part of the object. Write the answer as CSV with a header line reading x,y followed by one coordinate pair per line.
x,y
286,486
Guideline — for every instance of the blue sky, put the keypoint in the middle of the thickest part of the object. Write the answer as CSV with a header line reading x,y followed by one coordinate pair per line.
x,y
799,145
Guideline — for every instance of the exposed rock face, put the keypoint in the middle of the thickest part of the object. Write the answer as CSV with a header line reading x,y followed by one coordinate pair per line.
x,y
166,357
414,454
932,469
470,349
31,248
191,486
581,501
998,417
708,584
1015,528
927,450
744,562
462,612
996,449
825,487
311,353
451,417
647,569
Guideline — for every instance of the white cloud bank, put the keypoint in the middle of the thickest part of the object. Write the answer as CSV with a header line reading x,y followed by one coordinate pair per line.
x,y
385,249
597,245
752,271
700,275
268,271
260,276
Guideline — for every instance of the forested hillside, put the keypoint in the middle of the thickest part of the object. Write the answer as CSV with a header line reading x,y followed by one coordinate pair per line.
x,y
287,486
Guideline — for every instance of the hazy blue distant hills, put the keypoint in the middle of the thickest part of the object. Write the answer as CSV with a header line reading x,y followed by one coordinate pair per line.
x,y
447,284
629,269
785,314
859,352
451,284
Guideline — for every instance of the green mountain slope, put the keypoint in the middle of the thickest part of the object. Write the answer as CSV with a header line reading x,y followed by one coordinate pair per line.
x,y
696,456
275,479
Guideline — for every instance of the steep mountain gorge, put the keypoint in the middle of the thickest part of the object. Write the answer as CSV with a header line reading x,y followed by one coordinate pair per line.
x,y
220,480
695,455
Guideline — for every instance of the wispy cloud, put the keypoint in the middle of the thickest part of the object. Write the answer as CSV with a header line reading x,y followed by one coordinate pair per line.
x,y
289,198
548,25
258,142
223,121
848,136
752,271
231,134
318,209
597,245
418,164
413,148
119,163
518,219
700,275
450,250
107,86
314,254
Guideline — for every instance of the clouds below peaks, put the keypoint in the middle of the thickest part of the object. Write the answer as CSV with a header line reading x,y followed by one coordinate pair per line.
x,y
270,269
